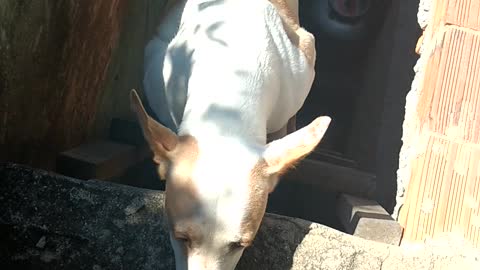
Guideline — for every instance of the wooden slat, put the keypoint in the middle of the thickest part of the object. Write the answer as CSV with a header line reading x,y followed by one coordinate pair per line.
x,y
100,160
52,73
333,178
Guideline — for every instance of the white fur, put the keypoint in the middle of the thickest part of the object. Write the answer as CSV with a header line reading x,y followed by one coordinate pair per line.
x,y
229,76
224,196
259,76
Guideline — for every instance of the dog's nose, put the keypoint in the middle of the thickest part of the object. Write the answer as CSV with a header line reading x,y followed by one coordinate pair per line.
x,y
201,263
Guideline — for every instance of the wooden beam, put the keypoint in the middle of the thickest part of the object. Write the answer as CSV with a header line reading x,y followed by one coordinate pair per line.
x,y
100,160
333,178
52,74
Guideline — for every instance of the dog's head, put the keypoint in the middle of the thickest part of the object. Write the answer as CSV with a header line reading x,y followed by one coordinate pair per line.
x,y
216,191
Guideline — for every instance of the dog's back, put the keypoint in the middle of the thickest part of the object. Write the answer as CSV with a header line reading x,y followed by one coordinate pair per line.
x,y
223,73
233,53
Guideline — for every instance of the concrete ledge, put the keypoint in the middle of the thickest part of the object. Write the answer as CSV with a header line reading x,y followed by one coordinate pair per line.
x,y
53,222
368,220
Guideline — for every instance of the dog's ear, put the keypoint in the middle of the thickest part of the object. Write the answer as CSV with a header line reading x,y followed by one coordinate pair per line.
x,y
283,153
162,141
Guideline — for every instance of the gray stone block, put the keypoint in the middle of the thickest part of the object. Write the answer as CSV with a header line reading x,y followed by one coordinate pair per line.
x,y
53,222
368,220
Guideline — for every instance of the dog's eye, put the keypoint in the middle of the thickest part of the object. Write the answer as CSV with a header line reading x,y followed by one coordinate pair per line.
x,y
185,242
233,246
182,239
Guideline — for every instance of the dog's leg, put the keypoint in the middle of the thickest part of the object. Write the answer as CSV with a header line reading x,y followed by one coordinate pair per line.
x,y
278,134
292,124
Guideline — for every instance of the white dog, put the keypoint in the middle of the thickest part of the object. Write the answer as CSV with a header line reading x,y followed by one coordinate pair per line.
x,y
221,75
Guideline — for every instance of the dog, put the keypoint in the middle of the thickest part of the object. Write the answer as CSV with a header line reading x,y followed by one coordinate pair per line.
x,y
220,76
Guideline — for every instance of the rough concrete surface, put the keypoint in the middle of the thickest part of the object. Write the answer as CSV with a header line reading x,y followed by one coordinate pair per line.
x,y
54,222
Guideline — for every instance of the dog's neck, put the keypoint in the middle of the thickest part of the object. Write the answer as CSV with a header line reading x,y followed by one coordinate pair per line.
x,y
245,91
248,89
218,117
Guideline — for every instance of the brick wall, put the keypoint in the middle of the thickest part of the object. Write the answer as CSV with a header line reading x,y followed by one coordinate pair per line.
x,y
439,175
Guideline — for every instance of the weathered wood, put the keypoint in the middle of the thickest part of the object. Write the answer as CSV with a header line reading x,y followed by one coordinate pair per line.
x,y
126,68
332,157
124,131
100,160
54,58
333,178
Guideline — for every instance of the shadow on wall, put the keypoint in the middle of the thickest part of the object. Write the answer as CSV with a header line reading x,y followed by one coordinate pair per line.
x,y
304,201
126,71
379,111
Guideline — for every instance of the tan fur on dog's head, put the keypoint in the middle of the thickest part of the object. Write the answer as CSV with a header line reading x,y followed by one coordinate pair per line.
x,y
217,191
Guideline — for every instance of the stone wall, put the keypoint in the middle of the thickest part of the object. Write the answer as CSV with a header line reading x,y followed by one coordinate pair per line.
x,y
54,222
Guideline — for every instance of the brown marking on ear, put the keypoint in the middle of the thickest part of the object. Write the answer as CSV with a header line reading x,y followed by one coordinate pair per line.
x,y
259,187
282,154
161,140
184,157
156,134
162,168
299,37
181,195
291,164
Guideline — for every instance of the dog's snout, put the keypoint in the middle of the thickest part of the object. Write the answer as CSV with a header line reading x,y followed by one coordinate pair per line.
x,y
201,263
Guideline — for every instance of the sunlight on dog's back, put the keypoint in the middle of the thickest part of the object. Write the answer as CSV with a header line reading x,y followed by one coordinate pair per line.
x,y
231,75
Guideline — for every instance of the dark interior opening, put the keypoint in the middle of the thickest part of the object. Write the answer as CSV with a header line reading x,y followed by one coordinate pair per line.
x,y
364,70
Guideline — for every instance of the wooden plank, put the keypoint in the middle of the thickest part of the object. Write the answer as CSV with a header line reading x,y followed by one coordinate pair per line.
x,y
126,69
125,131
100,160
333,178
52,70
332,157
